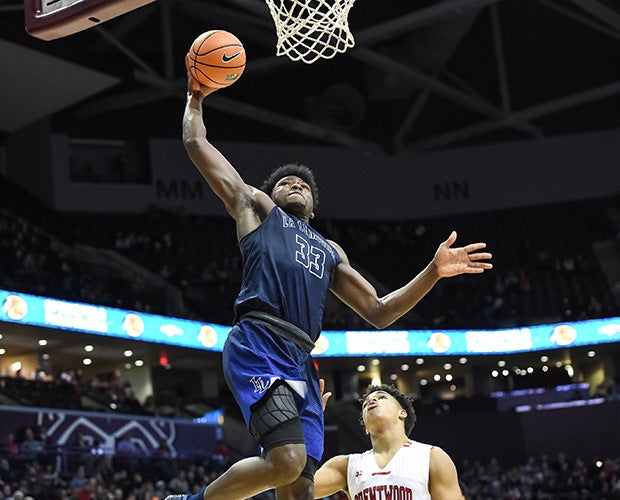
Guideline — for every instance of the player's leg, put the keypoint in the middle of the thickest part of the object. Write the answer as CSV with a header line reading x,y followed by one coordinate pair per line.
x,y
275,423
311,417
303,487
253,475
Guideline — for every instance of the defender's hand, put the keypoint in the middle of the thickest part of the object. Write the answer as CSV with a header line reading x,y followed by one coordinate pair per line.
x,y
325,395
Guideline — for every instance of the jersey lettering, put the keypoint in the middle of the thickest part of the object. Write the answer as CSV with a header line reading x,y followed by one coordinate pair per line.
x,y
309,256
385,492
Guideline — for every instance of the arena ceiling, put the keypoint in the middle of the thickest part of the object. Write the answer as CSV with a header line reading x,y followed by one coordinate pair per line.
x,y
423,75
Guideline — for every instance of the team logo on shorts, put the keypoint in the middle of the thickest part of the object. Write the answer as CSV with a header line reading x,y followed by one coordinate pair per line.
x,y
259,384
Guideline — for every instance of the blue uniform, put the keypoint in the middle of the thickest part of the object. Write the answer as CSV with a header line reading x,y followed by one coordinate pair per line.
x,y
288,268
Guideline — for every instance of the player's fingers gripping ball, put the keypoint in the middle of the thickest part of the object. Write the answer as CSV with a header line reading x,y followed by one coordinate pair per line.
x,y
216,59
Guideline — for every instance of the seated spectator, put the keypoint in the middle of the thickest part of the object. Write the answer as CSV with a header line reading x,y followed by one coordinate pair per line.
x,y
31,447
10,447
7,474
79,479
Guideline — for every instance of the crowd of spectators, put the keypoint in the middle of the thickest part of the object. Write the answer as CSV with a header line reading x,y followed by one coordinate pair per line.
x,y
69,389
96,474
37,262
545,268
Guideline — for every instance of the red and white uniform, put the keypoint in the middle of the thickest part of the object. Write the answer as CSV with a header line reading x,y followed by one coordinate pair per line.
x,y
405,477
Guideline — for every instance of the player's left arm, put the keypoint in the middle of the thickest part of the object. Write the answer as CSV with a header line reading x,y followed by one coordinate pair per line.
x,y
359,294
331,477
443,481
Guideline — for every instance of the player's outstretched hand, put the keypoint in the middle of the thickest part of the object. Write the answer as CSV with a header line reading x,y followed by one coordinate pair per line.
x,y
462,260
324,395
194,86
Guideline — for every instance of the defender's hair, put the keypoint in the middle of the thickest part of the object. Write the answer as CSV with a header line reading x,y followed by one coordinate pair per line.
x,y
404,401
296,169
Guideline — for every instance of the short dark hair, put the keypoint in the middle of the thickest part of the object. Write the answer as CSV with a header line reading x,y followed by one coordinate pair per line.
x,y
296,169
404,401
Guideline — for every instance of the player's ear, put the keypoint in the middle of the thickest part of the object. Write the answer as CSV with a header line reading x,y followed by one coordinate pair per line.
x,y
402,414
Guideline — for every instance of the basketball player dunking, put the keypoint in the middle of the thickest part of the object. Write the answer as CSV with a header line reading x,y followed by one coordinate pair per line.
x,y
288,270
396,466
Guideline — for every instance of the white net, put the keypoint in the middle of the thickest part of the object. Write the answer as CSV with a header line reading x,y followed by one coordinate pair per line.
x,y
311,29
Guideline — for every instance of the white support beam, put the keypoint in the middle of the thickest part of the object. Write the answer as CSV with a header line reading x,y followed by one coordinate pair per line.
x,y
531,113
500,61
412,75
124,49
421,17
600,11
581,19
289,124
278,120
166,39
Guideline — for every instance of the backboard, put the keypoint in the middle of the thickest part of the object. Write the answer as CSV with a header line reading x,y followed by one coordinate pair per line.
x,y
52,19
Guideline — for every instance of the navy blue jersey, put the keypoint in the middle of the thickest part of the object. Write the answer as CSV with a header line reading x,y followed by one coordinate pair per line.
x,y
288,268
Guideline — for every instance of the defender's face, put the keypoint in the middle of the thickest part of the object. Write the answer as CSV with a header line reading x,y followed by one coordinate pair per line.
x,y
381,406
293,194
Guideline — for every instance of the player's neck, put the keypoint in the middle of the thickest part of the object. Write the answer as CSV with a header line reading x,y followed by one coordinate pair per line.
x,y
388,442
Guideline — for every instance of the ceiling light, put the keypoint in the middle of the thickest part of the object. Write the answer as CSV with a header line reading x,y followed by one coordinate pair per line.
x,y
436,377
88,348
462,360
128,353
375,362
87,361
447,366
501,363
42,342
404,367
591,354
2,351
544,359
419,361
138,362
361,368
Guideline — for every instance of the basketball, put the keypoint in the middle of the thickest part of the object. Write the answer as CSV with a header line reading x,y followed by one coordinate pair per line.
x,y
216,59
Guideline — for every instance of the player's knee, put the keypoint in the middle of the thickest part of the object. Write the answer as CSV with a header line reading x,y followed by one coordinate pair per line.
x,y
287,462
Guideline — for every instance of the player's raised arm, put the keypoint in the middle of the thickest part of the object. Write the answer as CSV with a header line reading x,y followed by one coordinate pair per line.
x,y
222,177
355,291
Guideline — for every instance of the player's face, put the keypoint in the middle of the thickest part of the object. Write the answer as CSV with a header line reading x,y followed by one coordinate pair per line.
x,y
379,406
294,195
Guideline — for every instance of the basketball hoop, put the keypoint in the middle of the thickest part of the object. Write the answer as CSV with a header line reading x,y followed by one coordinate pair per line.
x,y
311,29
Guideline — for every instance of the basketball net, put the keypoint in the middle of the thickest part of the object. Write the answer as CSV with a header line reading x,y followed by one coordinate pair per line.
x,y
311,29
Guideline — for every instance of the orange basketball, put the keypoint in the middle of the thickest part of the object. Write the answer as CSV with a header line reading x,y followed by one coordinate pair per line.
x,y
216,59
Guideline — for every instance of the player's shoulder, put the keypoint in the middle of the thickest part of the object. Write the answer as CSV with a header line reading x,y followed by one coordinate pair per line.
x,y
341,253
339,462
